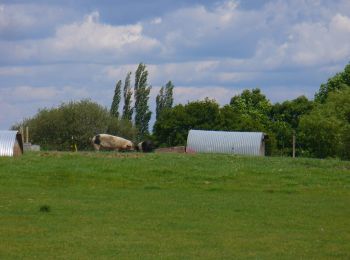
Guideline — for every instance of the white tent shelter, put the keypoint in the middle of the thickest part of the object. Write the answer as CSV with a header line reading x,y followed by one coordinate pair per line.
x,y
245,143
11,143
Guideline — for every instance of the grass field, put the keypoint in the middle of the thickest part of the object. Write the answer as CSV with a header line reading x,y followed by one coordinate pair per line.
x,y
173,206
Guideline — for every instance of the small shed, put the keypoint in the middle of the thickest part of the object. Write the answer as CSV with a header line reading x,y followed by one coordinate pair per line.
x,y
244,143
11,143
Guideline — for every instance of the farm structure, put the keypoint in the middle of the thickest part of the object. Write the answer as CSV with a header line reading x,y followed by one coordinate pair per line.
x,y
244,143
11,143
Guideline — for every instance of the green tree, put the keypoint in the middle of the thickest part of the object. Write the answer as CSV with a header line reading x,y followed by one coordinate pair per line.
x,y
171,128
160,102
254,108
164,99
338,82
127,94
325,131
285,120
54,128
173,124
116,100
203,115
141,93
229,119
169,99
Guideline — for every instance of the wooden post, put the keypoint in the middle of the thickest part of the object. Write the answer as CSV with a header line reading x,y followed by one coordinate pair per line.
x,y
22,133
294,144
27,134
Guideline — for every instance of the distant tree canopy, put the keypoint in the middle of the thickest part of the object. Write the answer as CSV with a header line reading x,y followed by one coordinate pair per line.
x,y
254,109
285,118
54,128
325,132
173,125
338,82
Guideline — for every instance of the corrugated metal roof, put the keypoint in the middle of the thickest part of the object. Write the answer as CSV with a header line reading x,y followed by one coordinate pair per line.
x,y
246,143
7,142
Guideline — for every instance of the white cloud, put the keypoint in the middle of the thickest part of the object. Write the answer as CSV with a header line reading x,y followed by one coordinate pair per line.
x,y
14,71
308,43
157,20
212,50
25,93
91,35
317,43
17,103
187,73
30,20
281,93
88,40
10,19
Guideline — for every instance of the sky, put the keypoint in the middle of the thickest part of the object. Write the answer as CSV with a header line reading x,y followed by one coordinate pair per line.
x,y
68,50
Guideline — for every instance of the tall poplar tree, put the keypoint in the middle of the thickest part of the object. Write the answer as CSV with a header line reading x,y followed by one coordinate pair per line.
x,y
141,94
165,98
127,93
116,100
169,100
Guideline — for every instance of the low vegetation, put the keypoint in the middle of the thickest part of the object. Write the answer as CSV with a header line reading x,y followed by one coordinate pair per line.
x,y
174,206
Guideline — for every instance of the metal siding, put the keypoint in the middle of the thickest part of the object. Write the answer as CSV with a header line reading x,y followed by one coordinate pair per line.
x,y
246,143
7,142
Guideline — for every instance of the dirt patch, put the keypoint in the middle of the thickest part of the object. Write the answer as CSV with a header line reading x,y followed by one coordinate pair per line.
x,y
113,155
175,149
51,154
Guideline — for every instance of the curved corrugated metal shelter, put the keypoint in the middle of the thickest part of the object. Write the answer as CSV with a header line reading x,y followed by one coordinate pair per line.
x,y
245,143
11,143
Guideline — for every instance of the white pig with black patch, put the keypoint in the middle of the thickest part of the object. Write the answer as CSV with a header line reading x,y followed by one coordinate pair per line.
x,y
111,142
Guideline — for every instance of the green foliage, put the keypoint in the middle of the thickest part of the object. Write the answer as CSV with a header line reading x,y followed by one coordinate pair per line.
x,y
285,120
127,94
291,111
53,129
229,119
171,128
164,99
338,82
116,100
254,109
141,92
173,125
325,131
160,102
173,206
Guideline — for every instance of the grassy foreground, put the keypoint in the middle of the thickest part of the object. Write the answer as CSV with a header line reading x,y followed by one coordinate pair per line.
x,y
173,206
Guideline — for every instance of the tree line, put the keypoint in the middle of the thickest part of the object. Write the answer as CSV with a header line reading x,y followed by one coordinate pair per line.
x,y
321,126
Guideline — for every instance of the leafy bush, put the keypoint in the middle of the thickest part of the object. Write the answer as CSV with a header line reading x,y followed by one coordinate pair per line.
x,y
325,131
74,122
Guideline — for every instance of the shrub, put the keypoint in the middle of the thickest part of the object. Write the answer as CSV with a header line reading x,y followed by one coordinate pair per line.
x,y
74,122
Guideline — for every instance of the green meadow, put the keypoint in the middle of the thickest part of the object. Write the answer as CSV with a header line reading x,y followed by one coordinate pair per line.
x,y
56,205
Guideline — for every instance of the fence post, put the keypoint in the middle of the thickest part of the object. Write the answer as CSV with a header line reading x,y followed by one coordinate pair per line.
x,y
22,133
27,134
293,143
